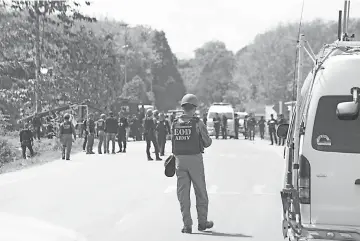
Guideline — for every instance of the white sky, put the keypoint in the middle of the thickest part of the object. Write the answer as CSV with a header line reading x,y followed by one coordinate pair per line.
x,y
190,23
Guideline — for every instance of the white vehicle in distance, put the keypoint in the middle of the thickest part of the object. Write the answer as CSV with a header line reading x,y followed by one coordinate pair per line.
x,y
222,109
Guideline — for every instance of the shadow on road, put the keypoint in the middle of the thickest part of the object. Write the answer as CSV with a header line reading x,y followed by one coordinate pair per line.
x,y
219,234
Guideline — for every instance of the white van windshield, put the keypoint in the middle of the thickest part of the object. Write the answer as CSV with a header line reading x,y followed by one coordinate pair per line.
x,y
331,134
229,115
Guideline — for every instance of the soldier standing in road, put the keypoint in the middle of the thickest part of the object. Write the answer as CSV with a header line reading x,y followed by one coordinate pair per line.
x,y
224,124
66,130
251,124
189,139
150,135
123,125
84,127
111,128
156,120
281,121
100,128
261,124
205,118
217,121
37,126
237,125
272,129
163,129
91,134
246,127
26,140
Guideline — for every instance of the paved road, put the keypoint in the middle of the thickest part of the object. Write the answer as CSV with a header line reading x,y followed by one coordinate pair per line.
x,y
124,197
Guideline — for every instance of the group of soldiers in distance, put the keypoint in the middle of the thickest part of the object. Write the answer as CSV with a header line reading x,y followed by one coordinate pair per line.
x,y
153,127
135,126
250,124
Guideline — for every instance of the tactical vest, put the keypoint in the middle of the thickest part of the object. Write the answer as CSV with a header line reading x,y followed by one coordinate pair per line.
x,y
186,139
91,124
101,125
66,128
272,123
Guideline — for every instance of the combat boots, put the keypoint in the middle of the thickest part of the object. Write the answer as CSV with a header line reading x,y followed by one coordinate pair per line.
x,y
63,152
186,229
204,226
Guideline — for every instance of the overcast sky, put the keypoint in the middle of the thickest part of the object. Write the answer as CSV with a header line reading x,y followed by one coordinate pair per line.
x,y
190,23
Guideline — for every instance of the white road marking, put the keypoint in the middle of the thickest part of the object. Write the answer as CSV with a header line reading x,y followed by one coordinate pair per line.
x,y
170,189
18,228
212,189
228,155
242,194
258,189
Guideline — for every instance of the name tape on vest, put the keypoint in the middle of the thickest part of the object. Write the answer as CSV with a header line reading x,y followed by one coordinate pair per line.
x,y
182,133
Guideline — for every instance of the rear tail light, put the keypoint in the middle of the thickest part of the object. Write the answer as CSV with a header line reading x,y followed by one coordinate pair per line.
x,y
304,180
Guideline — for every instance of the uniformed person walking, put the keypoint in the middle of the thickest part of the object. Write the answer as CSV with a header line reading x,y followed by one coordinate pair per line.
x,y
100,128
237,125
66,130
85,129
189,138
150,135
121,132
111,128
26,140
272,129
163,129
91,134
261,124
251,124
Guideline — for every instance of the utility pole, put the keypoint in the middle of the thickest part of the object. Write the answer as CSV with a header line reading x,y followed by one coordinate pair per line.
x,y
125,47
37,56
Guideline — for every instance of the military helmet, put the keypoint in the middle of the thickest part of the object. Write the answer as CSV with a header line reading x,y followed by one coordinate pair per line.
x,y
67,116
102,115
190,99
156,112
149,112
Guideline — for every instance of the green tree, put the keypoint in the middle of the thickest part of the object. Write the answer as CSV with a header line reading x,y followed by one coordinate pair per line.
x,y
215,78
167,83
135,90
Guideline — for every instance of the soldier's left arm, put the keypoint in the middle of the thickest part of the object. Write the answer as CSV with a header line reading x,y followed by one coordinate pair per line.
x,y
207,141
73,130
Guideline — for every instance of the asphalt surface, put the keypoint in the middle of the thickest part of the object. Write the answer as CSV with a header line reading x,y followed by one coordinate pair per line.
x,y
125,197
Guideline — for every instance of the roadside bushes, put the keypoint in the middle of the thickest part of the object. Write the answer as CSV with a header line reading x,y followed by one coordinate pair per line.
x,y
7,152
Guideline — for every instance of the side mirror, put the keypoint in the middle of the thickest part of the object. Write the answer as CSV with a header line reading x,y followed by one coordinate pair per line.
x,y
347,110
282,130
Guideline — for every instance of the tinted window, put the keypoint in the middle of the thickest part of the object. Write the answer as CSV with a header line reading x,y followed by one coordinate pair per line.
x,y
229,115
331,134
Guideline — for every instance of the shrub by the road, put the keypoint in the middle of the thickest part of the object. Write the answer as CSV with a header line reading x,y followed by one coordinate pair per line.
x,y
7,153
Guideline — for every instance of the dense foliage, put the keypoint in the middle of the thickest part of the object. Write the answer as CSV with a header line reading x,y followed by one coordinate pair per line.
x,y
85,59
260,73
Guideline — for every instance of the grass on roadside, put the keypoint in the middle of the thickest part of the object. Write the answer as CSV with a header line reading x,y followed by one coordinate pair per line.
x,y
46,150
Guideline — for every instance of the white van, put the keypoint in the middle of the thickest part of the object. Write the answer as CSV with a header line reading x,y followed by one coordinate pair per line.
x,y
328,178
228,111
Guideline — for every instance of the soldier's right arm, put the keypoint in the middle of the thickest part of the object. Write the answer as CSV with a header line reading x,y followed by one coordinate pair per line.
x,y
21,134
61,130
31,135
207,141
104,123
73,130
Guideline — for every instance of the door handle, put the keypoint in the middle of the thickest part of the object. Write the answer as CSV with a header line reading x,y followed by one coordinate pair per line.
x,y
357,182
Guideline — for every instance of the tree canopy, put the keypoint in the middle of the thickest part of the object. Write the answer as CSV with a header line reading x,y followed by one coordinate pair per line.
x,y
85,58
261,72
